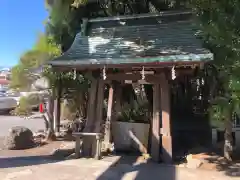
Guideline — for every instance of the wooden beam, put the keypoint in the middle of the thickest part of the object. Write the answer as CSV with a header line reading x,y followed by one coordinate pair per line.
x,y
124,76
185,71
155,135
107,137
166,123
162,65
142,81
134,77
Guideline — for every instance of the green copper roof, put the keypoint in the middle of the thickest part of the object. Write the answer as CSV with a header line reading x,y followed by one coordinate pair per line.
x,y
141,40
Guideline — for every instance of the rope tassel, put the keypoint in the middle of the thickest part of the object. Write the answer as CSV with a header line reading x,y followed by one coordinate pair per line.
x,y
143,73
104,73
74,74
173,73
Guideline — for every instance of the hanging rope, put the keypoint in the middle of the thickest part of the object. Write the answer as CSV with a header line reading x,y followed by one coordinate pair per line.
x,y
143,73
74,74
173,73
104,73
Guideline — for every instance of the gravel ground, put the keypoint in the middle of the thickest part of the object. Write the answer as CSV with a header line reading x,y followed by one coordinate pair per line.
x,y
7,122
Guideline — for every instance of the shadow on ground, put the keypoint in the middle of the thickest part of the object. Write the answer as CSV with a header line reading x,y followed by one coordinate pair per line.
x,y
130,167
229,168
214,160
12,162
11,159
133,167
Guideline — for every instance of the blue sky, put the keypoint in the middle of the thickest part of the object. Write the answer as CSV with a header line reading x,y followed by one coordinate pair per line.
x,y
20,23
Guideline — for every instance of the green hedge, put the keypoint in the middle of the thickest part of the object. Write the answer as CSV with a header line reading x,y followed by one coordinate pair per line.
x,y
24,108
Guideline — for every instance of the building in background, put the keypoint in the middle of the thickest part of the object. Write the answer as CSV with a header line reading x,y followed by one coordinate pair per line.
x,y
5,76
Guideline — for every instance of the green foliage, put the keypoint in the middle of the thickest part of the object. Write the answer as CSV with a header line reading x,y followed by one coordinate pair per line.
x,y
219,22
26,104
19,78
219,26
216,112
24,108
63,23
47,45
34,99
69,110
23,73
134,112
78,3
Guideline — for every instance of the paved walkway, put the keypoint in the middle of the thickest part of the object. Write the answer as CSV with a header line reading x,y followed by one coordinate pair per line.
x,y
89,169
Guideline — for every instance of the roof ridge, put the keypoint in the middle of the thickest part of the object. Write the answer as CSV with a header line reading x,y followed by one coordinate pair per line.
x,y
138,16
179,22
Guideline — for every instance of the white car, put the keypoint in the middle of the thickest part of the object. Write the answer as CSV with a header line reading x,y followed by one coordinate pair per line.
x,y
7,103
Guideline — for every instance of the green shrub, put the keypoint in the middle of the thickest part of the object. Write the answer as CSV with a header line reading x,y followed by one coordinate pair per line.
x,y
134,112
34,99
24,107
69,110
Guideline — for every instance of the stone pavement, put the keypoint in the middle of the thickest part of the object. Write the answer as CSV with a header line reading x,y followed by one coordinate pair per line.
x,y
89,169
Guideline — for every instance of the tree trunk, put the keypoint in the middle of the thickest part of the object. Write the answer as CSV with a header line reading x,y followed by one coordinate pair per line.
x,y
228,142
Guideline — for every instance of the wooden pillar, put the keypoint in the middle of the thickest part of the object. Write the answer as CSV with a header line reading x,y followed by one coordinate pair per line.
x,y
155,126
118,99
116,110
91,106
166,122
50,111
91,110
107,137
99,114
57,109
99,109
